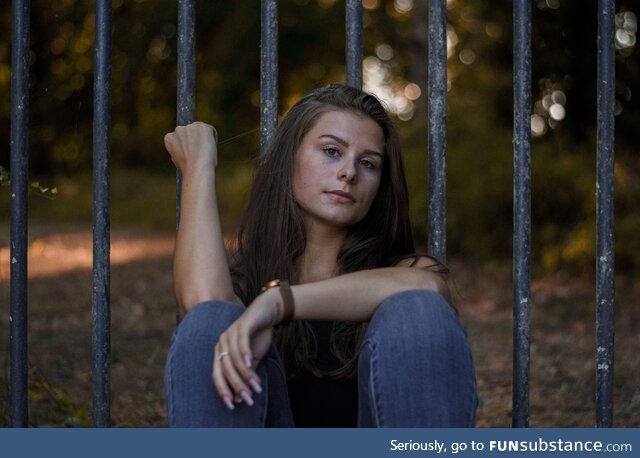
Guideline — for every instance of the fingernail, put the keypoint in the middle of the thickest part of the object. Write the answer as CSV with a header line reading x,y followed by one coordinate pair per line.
x,y
246,397
227,401
247,360
237,399
255,385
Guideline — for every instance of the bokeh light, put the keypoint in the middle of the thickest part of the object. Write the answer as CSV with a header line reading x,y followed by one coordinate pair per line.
x,y
626,28
384,51
403,6
396,93
467,56
370,4
412,91
549,110
452,41
538,125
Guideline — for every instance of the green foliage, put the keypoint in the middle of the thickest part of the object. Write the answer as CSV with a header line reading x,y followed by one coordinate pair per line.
x,y
55,405
4,177
42,191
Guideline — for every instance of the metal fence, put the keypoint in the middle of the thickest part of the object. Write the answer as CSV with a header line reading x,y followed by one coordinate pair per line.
x,y
437,93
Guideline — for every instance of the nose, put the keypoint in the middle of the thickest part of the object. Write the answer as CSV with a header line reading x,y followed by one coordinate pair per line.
x,y
348,173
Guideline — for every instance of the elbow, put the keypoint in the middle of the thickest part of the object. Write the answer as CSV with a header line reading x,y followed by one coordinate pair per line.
x,y
187,299
432,281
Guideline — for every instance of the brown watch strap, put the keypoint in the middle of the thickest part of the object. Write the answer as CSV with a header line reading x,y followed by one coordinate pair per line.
x,y
287,303
288,306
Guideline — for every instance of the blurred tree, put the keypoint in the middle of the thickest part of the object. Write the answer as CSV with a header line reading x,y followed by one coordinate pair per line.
x,y
311,54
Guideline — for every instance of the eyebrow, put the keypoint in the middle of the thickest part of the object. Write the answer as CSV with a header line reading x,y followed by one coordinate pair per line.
x,y
346,144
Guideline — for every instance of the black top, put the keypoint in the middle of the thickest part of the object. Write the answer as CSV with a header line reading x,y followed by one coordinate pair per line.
x,y
323,402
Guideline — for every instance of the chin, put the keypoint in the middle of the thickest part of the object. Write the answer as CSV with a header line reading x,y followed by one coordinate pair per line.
x,y
345,222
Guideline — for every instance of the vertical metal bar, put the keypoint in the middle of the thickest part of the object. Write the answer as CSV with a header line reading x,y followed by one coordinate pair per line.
x,y
605,249
521,210
186,62
186,103
353,18
437,108
101,224
268,73
186,106
19,211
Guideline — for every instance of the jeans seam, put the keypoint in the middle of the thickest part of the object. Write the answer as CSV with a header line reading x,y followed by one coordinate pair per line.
x,y
474,394
373,395
265,393
468,387
170,393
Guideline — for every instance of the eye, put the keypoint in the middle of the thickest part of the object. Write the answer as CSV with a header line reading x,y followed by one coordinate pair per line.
x,y
331,151
367,164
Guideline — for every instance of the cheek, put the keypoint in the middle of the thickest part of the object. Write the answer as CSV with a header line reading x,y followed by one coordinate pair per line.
x,y
372,186
297,187
300,182
371,192
310,173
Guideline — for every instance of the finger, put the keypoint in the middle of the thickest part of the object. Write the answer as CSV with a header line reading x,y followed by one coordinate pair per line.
x,y
235,381
230,371
242,359
219,382
209,127
168,140
244,347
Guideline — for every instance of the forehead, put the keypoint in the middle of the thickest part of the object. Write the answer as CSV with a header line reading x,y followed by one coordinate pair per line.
x,y
354,128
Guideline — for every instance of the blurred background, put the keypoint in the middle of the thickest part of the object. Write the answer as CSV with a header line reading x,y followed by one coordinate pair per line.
x,y
311,44
312,38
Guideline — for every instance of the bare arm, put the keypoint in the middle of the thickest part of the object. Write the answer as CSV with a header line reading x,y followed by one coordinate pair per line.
x,y
350,297
356,296
200,269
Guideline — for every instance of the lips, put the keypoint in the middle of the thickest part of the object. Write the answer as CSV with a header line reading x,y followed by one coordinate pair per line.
x,y
341,196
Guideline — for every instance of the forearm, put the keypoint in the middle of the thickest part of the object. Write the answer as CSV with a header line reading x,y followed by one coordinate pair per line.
x,y
356,296
200,268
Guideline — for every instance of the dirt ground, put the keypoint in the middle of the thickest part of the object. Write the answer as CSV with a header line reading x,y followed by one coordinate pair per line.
x,y
562,385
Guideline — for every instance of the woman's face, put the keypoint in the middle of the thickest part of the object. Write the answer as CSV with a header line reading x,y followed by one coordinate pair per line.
x,y
337,169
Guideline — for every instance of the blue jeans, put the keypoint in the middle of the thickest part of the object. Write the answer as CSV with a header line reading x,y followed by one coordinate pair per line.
x,y
415,369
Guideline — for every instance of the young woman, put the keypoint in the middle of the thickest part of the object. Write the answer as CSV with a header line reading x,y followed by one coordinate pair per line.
x,y
321,314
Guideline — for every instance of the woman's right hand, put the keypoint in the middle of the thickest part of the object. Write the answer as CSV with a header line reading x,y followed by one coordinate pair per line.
x,y
193,146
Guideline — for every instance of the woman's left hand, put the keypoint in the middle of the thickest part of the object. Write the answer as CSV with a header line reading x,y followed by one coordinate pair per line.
x,y
242,346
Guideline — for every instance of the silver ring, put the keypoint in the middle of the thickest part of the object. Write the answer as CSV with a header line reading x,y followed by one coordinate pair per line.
x,y
222,355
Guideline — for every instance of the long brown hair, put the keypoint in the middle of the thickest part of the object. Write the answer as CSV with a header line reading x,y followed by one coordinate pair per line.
x,y
271,236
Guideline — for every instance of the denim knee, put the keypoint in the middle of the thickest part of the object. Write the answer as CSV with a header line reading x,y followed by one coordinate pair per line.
x,y
188,384
415,366
199,331
415,314
210,318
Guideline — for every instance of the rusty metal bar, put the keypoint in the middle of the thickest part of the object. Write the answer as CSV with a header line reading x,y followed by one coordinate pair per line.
x,y
268,73
353,18
605,242
101,219
521,210
437,108
186,103
186,110
19,165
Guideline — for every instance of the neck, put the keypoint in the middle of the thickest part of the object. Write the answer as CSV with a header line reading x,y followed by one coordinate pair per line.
x,y
320,258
